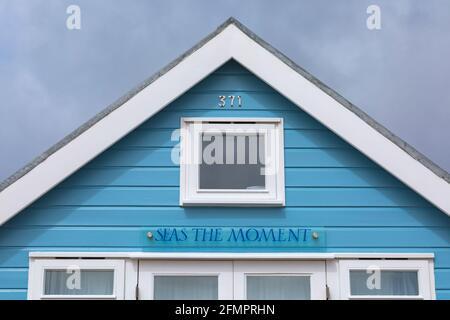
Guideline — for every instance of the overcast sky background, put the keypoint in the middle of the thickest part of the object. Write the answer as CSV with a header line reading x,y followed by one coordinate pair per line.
x,y
53,79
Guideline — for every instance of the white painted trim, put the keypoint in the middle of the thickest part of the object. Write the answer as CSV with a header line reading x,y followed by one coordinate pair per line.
x,y
190,193
381,255
116,125
332,274
432,279
232,119
131,278
231,42
341,120
229,255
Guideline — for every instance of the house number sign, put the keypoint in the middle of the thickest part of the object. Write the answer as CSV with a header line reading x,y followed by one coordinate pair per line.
x,y
230,101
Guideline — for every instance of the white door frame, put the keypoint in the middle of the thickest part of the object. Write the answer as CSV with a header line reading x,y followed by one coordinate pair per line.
x,y
231,274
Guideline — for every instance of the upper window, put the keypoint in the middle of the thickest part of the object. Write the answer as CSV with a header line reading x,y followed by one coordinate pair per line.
x,y
231,162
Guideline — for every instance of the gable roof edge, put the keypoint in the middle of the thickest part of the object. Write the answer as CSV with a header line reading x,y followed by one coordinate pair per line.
x,y
414,153
116,104
427,163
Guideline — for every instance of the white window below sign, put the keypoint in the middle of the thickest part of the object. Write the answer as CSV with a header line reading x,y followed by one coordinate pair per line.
x,y
386,279
76,279
231,162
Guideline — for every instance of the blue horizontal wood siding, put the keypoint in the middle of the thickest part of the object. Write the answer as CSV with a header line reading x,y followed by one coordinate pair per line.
x,y
133,185
296,196
13,278
294,158
13,294
169,177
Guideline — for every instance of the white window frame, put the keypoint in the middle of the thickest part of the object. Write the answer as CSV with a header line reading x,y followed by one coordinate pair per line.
x,y
191,194
130,265
148,269
315,270
36,281
425,277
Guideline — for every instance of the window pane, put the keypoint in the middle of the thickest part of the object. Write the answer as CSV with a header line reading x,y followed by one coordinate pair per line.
x,y
403,283
278,288
232,162
186,288
86,282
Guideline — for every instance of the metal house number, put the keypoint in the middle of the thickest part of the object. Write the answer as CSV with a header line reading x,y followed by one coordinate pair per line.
x,y
231,101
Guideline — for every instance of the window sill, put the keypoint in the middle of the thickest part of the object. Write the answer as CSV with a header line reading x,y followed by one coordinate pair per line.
x,y
248,203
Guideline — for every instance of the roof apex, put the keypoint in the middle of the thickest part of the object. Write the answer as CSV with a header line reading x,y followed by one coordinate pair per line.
x,y
423,160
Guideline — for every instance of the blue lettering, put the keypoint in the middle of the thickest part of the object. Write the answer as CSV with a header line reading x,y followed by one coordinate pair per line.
x,y
173,235
249,232
305,234
234,237
159,235
218,234
196,230
281,235
267,235
294,235
184,235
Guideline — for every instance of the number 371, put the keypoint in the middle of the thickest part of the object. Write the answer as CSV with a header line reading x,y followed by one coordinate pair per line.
x,y
230,100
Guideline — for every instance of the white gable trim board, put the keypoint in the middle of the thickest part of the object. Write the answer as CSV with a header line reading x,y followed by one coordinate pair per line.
x,y
230,41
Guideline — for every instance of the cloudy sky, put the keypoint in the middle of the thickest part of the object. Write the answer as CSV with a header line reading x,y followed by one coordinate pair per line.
x,y
53,79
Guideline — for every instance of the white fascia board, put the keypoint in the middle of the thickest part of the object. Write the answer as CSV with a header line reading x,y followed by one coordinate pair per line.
x,y
116,125
229,43
231,255
346,124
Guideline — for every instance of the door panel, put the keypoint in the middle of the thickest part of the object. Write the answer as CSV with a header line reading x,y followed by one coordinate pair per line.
x,y
227,280
278,287
187,280
279,280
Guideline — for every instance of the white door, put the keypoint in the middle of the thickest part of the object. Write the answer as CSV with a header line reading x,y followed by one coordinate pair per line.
x,y
227,280
279,280
185,280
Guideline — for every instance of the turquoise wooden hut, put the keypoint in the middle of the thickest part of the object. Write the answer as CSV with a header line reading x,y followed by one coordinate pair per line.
x,y
232,173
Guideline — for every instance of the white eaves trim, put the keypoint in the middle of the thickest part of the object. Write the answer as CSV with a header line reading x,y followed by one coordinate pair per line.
x,y
342,121
231,255
115,125
230,43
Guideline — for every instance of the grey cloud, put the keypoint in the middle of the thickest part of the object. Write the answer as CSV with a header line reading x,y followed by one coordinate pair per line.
x,y
53,79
